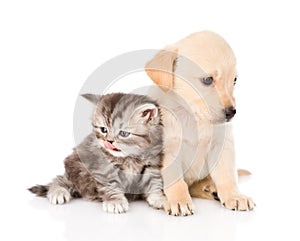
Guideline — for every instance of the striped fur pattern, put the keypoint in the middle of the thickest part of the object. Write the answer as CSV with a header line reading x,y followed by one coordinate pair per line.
x,y
120,159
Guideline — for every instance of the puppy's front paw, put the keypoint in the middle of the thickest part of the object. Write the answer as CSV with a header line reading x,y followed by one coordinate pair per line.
x,y
179,201
59,196
239,203
116,206
180,207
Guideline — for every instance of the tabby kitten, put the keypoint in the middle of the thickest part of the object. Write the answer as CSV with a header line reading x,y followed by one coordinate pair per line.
x,y
120,159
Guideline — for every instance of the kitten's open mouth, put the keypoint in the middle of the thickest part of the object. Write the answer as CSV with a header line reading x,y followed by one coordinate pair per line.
x,y
110,146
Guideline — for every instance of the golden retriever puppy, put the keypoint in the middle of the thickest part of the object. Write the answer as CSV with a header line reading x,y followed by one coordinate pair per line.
x,y
196,77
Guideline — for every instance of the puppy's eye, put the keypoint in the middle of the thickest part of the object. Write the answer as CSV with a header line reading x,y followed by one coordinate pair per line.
x,y
207,80
124,133
103,130
234,82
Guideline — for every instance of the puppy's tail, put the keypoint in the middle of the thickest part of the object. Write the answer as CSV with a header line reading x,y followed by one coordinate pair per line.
x,y
243,172
39,190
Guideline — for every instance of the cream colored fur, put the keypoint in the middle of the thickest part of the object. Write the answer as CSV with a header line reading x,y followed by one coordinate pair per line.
x,y
198,142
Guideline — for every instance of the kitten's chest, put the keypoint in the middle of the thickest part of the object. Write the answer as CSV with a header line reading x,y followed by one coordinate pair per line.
x,y
128,166
131,172
129,177
132,181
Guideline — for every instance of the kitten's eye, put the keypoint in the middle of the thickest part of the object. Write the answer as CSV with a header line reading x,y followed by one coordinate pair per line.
x,y
234,82
103,130
124,133
207,80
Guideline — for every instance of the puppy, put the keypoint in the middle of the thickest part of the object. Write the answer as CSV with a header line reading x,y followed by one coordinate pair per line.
x,y
196,77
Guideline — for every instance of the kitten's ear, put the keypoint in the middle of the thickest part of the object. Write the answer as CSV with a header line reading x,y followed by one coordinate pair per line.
x,y
147,112
92,98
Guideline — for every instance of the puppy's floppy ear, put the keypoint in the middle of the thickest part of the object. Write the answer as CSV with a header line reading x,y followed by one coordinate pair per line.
x,y
161,68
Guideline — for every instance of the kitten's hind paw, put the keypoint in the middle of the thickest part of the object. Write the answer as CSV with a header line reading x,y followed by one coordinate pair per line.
x,y
59,196
116,206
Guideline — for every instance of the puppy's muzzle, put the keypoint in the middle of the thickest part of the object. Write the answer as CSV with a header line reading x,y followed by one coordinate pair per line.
x,y
229,113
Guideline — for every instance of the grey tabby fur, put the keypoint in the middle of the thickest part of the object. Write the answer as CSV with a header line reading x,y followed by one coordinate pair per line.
x,y
120,159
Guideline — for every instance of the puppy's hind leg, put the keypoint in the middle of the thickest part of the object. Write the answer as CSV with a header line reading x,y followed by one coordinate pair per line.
x,y
206,188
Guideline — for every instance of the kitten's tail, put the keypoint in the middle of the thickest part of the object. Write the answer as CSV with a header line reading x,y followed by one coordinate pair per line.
x,y
59,191
39,190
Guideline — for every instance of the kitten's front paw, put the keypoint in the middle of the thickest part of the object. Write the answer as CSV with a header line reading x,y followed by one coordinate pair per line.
x,y
157,201
116,206
59,196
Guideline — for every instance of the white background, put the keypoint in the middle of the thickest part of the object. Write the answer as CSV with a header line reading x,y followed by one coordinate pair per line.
x,y
49,48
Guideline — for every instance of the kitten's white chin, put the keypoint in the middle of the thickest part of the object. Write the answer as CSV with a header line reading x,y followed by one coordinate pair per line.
x,y
116,153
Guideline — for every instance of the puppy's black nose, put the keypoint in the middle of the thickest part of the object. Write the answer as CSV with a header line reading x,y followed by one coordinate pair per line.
x,y
229,113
